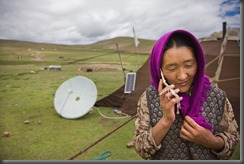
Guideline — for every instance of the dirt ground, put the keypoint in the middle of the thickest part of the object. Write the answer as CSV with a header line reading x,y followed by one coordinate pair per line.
x,y
98,67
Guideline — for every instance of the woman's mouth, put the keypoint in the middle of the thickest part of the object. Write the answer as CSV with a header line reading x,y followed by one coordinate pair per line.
x,y
183,84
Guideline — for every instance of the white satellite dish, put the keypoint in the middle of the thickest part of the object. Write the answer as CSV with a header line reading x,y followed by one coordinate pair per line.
x,y
75,97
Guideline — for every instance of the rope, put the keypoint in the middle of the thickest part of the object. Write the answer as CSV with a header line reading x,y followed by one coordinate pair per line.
x,y
103,155
100,139
230,79
211,61
90,58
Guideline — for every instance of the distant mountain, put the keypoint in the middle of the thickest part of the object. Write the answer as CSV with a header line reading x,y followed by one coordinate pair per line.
x,y
233,34
125,44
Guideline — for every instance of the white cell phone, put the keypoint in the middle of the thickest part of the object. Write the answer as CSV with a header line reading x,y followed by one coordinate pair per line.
x,y
166,84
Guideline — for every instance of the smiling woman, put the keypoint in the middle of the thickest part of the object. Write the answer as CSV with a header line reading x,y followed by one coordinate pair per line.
x,y
204,128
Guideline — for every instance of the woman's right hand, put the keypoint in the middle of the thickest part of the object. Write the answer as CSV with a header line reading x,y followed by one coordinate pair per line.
x,y
168,101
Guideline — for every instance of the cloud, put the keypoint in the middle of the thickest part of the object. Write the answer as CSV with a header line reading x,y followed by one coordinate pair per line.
x,y
88,21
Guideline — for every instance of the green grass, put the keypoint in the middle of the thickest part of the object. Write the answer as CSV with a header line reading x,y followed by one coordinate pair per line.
x,y
27,93
30,97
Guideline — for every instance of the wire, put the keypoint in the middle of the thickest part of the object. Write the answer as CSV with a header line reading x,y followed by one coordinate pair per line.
x,y
110,117
103,155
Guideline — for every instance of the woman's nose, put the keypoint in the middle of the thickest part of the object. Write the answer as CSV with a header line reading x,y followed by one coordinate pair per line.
x,y
182,75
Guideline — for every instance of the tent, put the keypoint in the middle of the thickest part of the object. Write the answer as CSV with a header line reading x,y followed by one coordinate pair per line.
x,y
229,79
127,102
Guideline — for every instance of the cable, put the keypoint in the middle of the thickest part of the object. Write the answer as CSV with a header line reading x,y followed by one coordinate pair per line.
x,y
103,155
110,117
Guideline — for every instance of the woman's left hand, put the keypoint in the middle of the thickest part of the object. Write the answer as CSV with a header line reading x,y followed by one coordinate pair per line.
x,y
191,131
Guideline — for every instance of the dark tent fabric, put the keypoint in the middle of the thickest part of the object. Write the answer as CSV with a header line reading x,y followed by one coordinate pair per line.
x,y
143,80
114,99
230,73
127,102
230,76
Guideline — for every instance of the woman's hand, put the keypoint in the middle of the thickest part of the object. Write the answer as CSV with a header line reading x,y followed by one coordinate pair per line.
x,y
168,101
191,131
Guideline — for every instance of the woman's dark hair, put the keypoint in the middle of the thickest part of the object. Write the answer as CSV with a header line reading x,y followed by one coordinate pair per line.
x,y
179,40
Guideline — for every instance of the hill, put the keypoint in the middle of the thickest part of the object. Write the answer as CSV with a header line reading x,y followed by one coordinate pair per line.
x,y
233,34
125,44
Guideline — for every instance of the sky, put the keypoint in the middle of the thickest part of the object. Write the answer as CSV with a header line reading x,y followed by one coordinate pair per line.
x,y
89,21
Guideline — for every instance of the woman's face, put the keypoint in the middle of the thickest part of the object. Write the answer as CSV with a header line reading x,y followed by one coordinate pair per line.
x,y
179,67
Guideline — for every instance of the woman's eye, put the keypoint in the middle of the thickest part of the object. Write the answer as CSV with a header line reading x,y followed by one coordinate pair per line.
x,y
171,68
189,65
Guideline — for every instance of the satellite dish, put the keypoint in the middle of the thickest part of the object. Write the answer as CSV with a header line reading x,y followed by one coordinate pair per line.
x,y
75,97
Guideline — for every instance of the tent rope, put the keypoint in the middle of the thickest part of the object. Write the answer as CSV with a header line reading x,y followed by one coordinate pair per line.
x,y
206,65
100,139
230,79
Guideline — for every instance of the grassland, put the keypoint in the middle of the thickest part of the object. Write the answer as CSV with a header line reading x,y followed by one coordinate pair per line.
x,y
27,94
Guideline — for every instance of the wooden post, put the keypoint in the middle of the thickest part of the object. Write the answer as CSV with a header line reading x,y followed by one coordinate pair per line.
x,y
122,67
220,61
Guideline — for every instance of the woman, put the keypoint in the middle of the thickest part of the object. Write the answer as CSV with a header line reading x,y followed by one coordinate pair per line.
x,y
198,122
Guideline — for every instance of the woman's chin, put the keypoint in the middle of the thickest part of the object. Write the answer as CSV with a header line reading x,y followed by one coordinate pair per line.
x,y
184,89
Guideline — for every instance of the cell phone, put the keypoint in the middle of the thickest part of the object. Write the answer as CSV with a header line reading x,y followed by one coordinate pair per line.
x,y
166,84
171,90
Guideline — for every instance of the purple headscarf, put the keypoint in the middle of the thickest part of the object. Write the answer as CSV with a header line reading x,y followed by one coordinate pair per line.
x,y
190,105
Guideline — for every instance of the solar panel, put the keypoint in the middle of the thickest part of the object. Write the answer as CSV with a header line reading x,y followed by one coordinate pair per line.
x,y
130,82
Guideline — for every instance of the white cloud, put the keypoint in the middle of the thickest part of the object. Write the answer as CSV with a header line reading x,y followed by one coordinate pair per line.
x,y
87,21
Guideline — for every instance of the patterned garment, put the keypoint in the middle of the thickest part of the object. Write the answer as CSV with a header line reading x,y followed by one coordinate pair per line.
x,y
146,147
